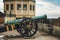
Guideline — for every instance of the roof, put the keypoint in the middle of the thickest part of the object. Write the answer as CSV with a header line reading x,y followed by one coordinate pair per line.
x,y
2,14
19,0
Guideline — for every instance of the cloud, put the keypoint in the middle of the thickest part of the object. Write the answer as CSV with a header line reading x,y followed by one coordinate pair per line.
x,y
1,5
52,10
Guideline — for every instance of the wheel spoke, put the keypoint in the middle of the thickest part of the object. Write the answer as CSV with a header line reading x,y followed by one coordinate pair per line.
x,y
22,30
33,30
30,33
26,32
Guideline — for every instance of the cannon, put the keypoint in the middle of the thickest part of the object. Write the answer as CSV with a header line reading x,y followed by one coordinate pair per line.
x,y
27,27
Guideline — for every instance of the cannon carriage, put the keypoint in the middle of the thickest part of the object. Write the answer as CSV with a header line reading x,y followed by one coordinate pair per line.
x,y
25,26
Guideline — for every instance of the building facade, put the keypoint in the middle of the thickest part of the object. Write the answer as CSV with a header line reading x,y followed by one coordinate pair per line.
x,y
19,8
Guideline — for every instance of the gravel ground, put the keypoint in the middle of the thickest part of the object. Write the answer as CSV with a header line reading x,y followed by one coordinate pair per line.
x,y
38,36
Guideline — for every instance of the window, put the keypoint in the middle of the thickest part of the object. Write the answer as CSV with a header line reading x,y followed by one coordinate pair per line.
x,y
30,7
11,6
18,6
33,8
24,6
7,7
5,12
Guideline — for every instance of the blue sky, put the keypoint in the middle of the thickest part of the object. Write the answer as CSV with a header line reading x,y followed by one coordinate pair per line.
x,y
56,2
49,7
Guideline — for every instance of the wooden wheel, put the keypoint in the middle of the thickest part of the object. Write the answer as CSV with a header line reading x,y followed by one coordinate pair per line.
x,y
28,29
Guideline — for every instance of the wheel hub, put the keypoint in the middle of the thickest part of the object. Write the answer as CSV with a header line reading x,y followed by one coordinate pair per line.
x,y
28,27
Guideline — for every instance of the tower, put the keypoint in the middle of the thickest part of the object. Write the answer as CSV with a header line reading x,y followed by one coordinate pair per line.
x,y
19,8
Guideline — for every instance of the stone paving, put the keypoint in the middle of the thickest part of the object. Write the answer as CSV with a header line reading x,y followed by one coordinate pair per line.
x,y
38,36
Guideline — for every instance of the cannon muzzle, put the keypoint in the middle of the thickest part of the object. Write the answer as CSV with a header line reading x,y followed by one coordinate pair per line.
x,y
39,18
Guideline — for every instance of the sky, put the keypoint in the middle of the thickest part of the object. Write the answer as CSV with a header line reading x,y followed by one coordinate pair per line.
x,y
49,7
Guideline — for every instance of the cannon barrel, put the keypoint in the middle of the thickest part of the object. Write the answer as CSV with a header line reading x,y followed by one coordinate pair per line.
x,y
39,18
17,21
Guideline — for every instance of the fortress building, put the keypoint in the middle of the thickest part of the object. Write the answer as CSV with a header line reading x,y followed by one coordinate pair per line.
x,y
19,8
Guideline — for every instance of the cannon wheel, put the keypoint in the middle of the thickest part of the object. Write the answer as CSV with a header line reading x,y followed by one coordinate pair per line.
x,y
28,28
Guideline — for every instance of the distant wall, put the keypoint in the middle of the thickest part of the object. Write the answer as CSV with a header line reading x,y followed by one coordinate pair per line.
x,y
44,28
